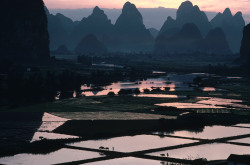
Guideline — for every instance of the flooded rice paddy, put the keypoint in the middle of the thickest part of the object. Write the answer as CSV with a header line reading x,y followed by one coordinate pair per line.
x,y
215,151
131,161
60,156
243,140
171,82
133,143
208,103
212,132
147,144
173,144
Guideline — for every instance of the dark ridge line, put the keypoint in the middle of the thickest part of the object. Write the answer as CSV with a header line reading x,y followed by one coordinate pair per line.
x,y
231,138
169,148
180,137
241,127
169,159
238,143
97,150
219,140
210,140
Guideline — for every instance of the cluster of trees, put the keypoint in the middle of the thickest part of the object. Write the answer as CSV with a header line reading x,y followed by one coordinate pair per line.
x,y
19,88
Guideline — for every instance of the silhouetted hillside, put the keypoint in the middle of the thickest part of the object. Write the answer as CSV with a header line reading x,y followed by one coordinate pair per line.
x,y
131,31
187,13
216,42
190,40
59,28
232,27
154,32
23,30
174,40
97,23
245,44
62,50
90,45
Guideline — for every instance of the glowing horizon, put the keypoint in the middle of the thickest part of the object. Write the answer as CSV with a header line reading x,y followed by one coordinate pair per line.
x,y
208,5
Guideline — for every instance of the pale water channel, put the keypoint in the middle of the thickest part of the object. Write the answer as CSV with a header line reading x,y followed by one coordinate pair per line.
x,y
171,82
215,151
60,156
133,143
212,132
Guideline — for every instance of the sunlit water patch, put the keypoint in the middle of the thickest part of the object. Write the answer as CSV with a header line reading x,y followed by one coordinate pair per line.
x,y
213,132
133,143
224,102
47,117
208,103
208,89
158,72
160,96
214,151
244,140
49,123
243,125
108,65
172,82
189,105
131,161
60,156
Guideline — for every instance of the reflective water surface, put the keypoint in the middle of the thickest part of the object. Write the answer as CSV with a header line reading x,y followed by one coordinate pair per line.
x,y
160,96
214,151
208,103
244,140
133,143
213,132
243,125
173,82
49,123
130,161
60,156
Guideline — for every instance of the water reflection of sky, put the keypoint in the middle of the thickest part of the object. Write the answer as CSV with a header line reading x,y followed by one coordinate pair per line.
x,y
213,132
133,143
60,156
131,161
208,103
174,82
49,123
214,151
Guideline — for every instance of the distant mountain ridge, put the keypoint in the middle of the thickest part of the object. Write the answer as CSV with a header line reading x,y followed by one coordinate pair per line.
x,y
188,40
187,13
245,44
232,27
90,45
59,28
97,23
129,33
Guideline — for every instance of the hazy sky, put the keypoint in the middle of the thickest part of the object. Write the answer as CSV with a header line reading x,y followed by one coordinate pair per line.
x,y
206,5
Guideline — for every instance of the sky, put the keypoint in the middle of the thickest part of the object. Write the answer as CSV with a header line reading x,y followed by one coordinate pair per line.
x,y
205,5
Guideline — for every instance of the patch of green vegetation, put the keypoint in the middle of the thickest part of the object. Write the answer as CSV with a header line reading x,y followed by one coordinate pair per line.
x,y
97,103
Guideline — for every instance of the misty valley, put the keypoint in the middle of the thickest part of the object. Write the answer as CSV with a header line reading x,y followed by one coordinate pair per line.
x,y
95,91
